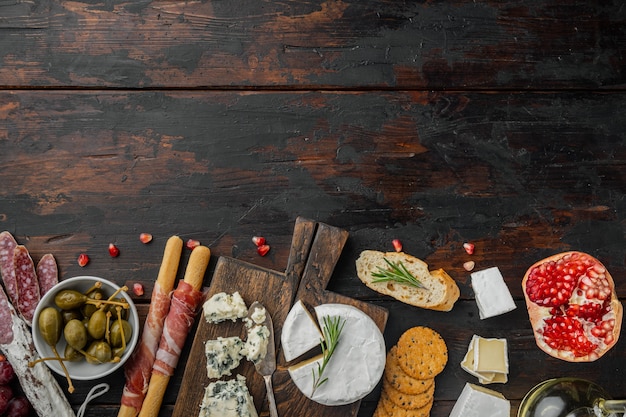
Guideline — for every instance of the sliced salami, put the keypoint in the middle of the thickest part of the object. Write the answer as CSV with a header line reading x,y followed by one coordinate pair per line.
x,y
7,246
37,382
47,273
27,283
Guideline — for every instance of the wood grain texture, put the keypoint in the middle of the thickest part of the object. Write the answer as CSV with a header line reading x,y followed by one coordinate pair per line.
x,y
330,44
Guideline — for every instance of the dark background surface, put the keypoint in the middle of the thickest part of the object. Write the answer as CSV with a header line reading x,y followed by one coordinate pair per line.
x,y
432,122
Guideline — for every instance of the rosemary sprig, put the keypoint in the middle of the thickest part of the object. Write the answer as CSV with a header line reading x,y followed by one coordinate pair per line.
x,y
396,272
333,326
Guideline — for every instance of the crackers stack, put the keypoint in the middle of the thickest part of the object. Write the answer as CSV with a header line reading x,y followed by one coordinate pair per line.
x,y
409,378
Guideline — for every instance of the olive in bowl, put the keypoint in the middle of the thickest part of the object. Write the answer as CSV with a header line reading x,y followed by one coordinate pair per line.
x,y
90,323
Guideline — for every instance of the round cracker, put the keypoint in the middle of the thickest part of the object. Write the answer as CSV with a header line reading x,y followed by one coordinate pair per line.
x,y
400,380
408,401
422,352
394,410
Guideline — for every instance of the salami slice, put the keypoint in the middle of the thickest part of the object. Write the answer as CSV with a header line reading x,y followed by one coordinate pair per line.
x,y
27,285
37,382
47,273
7,246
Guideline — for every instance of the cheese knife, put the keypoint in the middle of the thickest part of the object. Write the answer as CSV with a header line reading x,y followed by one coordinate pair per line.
x,y
266,366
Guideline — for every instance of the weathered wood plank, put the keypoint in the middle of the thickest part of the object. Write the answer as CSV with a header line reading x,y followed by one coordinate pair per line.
x,y
332,44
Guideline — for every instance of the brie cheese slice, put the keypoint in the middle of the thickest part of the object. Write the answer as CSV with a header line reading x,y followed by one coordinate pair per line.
x,y
492,295
300,332
476,401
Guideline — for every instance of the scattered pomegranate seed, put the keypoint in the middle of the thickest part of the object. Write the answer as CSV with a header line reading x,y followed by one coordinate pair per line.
x,y
145,238
397,245
469,248
263,249
138,289
469,265
192,244
258,240
83,259
113,250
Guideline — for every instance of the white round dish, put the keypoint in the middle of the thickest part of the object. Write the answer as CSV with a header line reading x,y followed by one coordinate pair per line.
x,y
357,364
83,370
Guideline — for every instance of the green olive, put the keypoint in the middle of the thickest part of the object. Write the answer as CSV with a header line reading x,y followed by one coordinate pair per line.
x,y
72,354
97,324
88,309
71,315
69,299
99,352
50,325
75,334
116,332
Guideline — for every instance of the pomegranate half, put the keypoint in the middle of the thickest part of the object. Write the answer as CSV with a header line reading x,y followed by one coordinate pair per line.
x,y
572,306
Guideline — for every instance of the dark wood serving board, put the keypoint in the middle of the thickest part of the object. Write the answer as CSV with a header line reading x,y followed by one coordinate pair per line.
x,y
315,249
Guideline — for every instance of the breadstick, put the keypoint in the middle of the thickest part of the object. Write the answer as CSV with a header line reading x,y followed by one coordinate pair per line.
x,y
139,368
185,302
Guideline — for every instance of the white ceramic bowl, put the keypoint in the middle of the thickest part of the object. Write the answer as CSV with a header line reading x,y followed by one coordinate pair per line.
x,y
83,370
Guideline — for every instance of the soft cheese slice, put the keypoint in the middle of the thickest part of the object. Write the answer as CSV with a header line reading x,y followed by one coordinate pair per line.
x,y
228,399
477,401
222,355
300,332
356,365
487,360
492,295
222,306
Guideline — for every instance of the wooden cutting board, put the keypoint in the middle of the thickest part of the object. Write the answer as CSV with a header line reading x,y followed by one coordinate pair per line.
x,y
315,250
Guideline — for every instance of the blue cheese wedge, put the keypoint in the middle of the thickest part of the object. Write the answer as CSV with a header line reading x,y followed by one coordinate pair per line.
x,y
492,295
300,333
477,401
357,363
255,347
222,355
222,306
227,399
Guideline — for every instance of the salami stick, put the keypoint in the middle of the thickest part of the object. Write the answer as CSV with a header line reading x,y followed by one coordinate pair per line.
x,y
138,369
47,273
27,284
185,302
37,382
7,246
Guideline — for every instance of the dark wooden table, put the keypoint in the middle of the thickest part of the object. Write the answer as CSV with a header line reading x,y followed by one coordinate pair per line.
x,y
432,122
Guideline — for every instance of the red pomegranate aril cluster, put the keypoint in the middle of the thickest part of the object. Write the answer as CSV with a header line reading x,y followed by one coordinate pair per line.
x,y
565,333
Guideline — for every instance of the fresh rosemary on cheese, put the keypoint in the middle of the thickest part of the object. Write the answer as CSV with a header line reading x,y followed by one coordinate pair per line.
x,y
332,328
396,272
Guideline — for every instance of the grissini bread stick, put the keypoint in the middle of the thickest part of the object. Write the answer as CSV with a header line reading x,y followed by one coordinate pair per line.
x,y
185,302
138,369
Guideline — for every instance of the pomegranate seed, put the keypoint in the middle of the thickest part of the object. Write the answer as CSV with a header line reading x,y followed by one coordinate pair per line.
x,y
397,245
145,238
469,248
113,251
469,265
263,249
258,240
83,259
138,289
192,244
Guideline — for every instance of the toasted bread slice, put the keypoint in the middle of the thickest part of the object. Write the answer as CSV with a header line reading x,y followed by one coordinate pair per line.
x,y
440,292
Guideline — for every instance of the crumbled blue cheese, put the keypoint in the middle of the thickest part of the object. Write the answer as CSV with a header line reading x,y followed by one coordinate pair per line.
x,y
257,317
255,347
228,399
222,355
222,306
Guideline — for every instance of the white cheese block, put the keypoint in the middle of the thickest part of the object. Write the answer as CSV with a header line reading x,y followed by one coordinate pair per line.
x,y
255,347
492,295
476,401
222,306
487,359
222,355
227,399
356,365
300,332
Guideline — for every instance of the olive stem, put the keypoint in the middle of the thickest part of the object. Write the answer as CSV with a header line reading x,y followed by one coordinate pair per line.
x,y
70,387
108,327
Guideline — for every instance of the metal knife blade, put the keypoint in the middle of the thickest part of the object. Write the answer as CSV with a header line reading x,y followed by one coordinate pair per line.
x,y
266,366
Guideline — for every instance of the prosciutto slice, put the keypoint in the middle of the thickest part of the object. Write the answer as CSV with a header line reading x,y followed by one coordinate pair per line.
x,y
185,302
139,367
37,382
